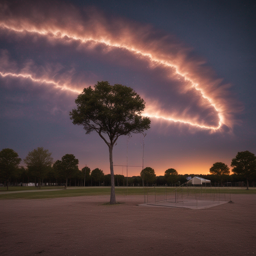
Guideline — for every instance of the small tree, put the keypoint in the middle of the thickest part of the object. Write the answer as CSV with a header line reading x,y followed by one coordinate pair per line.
x,y
97,175
219,169
67,167
38,162
244,164
86,173
111,111
148,175
171,176
9,161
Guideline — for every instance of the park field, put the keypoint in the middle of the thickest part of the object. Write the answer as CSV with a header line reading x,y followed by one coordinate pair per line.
x,y
56,192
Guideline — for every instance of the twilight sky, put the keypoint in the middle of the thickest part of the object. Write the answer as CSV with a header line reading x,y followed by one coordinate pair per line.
x,y
192,61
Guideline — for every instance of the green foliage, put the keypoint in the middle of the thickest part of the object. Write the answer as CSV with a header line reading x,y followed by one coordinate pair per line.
x,y
97,175
9,161
148,175
86,171
51,175
119,179
111,111
86,174
244,164
171,176
219,169
137,180
38,163
67,167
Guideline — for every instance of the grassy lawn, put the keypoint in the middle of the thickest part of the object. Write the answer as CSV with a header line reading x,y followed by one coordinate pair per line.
x,y
20,188
90,191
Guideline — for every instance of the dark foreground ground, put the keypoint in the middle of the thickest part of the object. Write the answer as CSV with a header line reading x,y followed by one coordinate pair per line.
x,y
87,226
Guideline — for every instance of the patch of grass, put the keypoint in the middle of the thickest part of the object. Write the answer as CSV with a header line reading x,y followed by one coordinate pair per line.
x,y
20,188
91,191
56,193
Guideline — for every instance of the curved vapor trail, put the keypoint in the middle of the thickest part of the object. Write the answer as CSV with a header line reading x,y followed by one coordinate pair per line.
x,y
64,34
37,80
68,88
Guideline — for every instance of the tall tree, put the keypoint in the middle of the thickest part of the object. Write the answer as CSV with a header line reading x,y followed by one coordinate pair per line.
x,y
97,175
220,169
148,175
171,176
38,162
86,173
67,167
111,111
9,161
244,164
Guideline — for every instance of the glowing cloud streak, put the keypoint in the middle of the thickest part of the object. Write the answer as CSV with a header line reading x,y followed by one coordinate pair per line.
x,y
67,88
37,80
52,32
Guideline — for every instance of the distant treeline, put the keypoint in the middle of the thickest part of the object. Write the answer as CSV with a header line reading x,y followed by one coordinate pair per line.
x,y
42,170
23,176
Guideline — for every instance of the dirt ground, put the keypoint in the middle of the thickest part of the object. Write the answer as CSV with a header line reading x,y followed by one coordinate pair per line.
x,y
87,226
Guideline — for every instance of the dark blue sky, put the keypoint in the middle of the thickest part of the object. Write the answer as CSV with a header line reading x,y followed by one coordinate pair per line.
x,y
220,34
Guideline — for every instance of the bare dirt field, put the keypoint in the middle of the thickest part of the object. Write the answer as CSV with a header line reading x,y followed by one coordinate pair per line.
x,y
87,226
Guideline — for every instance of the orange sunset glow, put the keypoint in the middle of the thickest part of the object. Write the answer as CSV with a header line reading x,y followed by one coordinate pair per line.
x,y
50,52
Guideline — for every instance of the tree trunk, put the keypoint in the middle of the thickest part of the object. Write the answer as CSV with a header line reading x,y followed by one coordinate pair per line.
x,y
84,180
247,184
66,183
112,195
7,185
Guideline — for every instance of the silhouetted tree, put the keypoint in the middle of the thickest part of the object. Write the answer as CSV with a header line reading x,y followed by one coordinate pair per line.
x,y
220,169
111,111
66,167
97,175
86,173
148,175
9,161
119,179
38,162
171,176
244,164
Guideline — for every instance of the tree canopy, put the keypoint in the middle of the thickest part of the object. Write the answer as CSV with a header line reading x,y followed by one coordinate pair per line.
x,y
97,175
244,164
38,162
171,176
9,161
66,167
148,175
86,173
111,111
219,169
